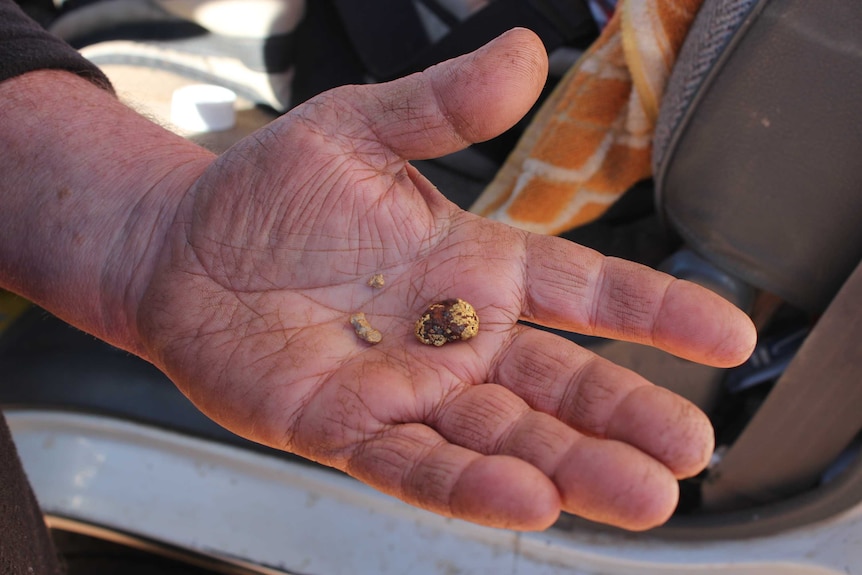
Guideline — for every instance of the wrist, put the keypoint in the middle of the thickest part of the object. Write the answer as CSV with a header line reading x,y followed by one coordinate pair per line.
x,y
89,190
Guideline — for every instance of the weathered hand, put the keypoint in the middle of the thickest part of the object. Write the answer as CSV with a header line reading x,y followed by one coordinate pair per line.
x,y
249,308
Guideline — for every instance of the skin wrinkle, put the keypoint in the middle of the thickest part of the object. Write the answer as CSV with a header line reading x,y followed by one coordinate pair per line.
x,y
399,438
459,140
302,404
383,367
333,174
421,403
471,419
294,416
533,370
599,393
263,142
325,167
186,342
360,138
504,435
292,412
653,338
515,350
523,260
629,308
456,382
389,204
433,242
630,312
556,444
499,360
385,133
535,373
421,297
330,442
450,506
566,288
557,471
130,234
433,477
561,287
418,285
276,354
252,401
378,447
386,442
569,408
590,410
597,285
393,442
442,211
262,221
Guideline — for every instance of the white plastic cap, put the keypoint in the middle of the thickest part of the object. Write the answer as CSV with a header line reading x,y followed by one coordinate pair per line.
x,y
203,108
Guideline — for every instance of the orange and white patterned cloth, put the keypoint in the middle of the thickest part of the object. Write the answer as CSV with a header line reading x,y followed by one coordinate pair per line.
x,y
592,138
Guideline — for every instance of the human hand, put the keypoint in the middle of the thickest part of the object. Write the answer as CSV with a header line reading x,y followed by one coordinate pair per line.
x,y
248,312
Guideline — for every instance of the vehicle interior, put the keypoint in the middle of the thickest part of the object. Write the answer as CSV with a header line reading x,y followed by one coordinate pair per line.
x,y
756,194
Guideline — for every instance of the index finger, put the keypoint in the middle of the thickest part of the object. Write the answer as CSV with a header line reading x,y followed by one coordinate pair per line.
x,y
574,288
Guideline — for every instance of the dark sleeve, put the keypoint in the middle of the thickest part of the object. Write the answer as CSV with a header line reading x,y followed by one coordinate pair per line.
x,y
25,545
25,46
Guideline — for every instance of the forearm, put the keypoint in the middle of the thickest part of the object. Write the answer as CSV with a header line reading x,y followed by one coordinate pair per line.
x,y
87,191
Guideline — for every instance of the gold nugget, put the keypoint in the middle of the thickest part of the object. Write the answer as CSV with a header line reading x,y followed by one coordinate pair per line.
x,y
363,329
446,321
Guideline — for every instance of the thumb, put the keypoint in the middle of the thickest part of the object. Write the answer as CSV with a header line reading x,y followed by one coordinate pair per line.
x,y
459,102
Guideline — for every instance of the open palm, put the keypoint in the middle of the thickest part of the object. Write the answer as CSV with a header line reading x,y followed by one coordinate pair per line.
x,y
271,253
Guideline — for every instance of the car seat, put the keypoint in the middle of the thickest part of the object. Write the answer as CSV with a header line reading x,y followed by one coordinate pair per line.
x,y
756,163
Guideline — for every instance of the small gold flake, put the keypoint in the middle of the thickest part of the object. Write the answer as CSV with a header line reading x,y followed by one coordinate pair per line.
x,y
376,281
